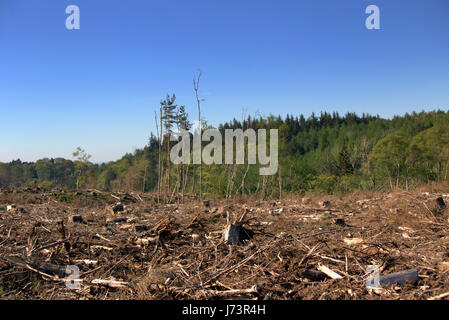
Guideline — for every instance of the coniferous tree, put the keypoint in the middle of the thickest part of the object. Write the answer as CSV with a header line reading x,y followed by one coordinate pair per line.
x,y
169,119
344,162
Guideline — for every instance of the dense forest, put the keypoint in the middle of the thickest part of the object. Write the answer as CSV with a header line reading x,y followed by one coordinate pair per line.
x,y
328,153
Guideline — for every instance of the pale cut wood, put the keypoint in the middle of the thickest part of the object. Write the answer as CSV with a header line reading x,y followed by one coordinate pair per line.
x,y
328,272
441,296
253,289
110,283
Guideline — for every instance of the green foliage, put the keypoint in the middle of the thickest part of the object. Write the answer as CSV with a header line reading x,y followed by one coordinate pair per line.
x,y
45,184
322,154
324,184
344,163
389,157
429,151
81,166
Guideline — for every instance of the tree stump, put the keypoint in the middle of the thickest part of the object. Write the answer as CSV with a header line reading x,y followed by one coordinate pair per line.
x,y
236,234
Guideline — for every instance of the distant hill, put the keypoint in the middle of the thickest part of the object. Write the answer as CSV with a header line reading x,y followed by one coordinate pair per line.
x,y
326,153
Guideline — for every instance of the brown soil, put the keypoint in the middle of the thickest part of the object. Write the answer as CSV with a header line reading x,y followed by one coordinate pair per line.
x,y
176,251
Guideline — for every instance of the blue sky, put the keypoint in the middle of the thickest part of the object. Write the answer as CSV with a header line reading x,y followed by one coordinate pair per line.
x,y
98,87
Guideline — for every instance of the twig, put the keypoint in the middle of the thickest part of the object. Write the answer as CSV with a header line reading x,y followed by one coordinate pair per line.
x,y
253,289
53,244
232,268
441,296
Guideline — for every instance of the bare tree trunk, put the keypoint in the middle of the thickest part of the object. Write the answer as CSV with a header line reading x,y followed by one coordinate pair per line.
x,y
406,179
159,159
194,181
242,184
178,182
160,146
184,180
231,176
258,185
78,180
144,179
264,186
446,171
195,87
397,177
271,186
280,184
168,162
244,177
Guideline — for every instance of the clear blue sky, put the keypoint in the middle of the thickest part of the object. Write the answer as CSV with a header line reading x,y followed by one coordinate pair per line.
x,y
98,87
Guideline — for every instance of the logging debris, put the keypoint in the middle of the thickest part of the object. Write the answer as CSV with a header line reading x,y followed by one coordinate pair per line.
x,y
180,251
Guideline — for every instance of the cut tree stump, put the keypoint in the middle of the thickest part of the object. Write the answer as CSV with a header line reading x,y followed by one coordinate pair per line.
x,y
340,222
324,203
236,234
78,219
118,207
440,202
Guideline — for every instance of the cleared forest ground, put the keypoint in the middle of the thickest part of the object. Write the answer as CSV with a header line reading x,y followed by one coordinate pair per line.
x,y
176,251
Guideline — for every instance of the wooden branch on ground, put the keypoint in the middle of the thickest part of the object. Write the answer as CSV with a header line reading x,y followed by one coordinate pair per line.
x,y
328,272
110,283
230,292
115,197
44,268
440,296
326,209
53,244
238,265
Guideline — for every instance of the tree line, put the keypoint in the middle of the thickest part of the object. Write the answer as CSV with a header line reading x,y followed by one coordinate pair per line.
x,y
326,153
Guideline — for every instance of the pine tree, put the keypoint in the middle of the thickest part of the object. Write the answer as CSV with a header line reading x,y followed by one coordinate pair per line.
x,y
169,119
344,162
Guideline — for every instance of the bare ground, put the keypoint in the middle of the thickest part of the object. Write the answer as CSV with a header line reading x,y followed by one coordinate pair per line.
x,y
176,251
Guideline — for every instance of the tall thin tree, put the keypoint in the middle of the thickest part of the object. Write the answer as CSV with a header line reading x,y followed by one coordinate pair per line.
x,y
159,169
169,117
196,82
183,124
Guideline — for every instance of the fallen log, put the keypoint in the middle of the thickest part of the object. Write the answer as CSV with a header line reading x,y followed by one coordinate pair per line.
x,y
400,278
44,268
